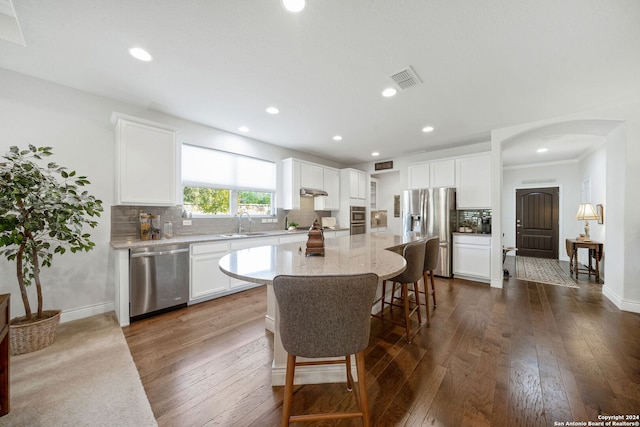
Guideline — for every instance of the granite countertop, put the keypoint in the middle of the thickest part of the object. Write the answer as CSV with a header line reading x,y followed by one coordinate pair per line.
x,y
363,253
132,244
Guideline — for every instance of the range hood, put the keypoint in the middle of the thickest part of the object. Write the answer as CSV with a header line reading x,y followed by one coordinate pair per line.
x,y
312,192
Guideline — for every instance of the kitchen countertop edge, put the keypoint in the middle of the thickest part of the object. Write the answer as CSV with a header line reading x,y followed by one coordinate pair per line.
x,y
201,238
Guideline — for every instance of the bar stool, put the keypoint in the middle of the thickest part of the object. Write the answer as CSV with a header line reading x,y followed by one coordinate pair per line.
x,y
431,259
414,255
322,317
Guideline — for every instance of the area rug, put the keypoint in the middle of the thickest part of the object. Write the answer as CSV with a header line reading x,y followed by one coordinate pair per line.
x,y
543,271
85,378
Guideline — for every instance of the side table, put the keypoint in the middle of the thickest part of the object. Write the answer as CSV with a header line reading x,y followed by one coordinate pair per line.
x,y
595,253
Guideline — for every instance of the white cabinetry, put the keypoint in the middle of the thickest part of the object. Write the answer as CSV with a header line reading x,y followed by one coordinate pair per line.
x,y
355,184
311,176
298,237
290,184
331,184
473,182
419,176
373,194
328,234
206,279
472,257
297,174
443,173
147,166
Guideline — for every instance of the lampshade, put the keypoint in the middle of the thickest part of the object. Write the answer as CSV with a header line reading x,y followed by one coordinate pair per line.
x,y
586,212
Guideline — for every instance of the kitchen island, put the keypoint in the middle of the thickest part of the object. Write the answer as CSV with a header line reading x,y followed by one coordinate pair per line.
x,y
364,253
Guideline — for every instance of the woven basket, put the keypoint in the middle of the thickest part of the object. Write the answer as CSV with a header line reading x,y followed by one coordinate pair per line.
x,y
34,336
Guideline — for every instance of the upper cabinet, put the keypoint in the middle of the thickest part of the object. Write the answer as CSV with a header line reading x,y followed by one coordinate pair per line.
x,y
331,184
358,183
443,173
419,176
311,176
147,162
473,176
297,174
290,198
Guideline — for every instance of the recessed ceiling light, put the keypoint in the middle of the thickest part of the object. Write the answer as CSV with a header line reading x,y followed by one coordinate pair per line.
x,y
375,154
542,150
141,54
243,129
272,110
293,6
389,92
337,138
427,129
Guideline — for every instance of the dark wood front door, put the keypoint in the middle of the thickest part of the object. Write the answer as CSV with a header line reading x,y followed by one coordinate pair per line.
x,y
537,222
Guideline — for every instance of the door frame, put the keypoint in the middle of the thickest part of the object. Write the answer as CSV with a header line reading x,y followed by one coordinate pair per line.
x,y
562,253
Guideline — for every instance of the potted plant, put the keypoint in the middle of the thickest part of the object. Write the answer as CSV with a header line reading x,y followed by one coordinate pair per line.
x,y
43,212
292,226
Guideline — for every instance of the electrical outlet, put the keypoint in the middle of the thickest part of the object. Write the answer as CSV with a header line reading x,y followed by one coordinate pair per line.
x,y
186,222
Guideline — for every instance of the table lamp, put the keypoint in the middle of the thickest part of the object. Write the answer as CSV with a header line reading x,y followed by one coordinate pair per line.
x,y
586,212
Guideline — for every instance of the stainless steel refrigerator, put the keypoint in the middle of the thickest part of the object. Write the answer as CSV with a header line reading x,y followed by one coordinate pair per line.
x,y
432,212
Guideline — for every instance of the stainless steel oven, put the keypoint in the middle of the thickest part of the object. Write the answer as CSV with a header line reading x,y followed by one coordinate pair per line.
x,y
358,219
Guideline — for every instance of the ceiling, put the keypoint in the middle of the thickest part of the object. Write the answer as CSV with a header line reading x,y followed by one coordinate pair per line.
x,y
484,65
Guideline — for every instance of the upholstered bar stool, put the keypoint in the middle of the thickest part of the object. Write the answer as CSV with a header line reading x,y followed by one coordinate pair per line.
x,y
414,255
431,258
323,317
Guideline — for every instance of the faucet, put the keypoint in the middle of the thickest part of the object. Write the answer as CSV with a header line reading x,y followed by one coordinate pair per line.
x,y
240,228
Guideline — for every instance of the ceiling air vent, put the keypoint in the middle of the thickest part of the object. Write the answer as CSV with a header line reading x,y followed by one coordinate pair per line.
x,y
384,165
406,78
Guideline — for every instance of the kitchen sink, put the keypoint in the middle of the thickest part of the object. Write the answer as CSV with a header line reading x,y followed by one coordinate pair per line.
x,y
232,235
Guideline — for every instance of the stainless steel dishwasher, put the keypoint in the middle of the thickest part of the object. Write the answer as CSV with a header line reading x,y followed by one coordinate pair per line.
x,y
159,280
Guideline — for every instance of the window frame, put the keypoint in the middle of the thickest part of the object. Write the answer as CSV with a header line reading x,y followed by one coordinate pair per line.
x,y
233,191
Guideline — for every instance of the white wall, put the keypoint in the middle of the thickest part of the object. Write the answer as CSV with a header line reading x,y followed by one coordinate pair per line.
x,y
77,126
593,170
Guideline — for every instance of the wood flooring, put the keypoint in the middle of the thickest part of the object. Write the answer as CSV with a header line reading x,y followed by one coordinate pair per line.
x,y
525,355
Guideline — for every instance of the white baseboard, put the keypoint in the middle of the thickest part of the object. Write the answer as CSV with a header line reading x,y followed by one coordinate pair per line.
x,y
82,312
618,301
269,323
632,306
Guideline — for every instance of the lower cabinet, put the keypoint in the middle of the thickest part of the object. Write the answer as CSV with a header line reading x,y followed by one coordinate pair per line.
x,y
472,257
206,279
335,233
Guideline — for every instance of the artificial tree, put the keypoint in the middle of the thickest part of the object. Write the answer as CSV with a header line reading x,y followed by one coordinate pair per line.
x,y
43,211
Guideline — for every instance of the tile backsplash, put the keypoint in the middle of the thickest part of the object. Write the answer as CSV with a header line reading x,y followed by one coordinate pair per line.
x,y
125,220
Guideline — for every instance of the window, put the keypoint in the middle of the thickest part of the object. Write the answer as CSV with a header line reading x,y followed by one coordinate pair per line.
x,y
219,183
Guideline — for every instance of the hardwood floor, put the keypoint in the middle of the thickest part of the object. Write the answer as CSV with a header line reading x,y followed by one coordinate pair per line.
x,y
525,355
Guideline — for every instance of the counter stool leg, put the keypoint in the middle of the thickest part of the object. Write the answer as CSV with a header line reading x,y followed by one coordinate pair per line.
x,y
405,296
288,390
